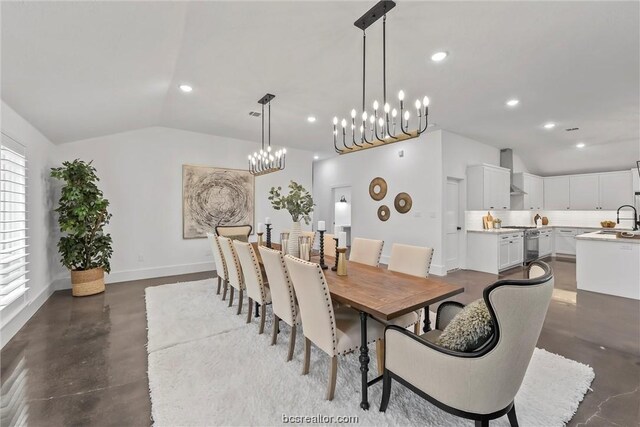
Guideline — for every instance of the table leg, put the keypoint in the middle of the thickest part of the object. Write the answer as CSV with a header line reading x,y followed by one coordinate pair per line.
x,y
427,321
364,360
257,314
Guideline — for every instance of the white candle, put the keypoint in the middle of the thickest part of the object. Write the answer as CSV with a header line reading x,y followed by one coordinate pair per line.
x,y
267,221
321,226
260,228
342,239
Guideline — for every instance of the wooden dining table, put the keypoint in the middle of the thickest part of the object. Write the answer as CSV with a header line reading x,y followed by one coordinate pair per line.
x,y
382,294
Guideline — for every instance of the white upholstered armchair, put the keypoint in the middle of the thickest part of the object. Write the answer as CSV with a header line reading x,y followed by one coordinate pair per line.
x,y
482,384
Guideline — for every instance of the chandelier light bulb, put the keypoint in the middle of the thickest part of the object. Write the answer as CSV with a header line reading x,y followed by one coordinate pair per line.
x,y
387,108
344,123
417,104
372,119
249,156
361,129
394,113
381,122
255,154
401,95
425,101
335,120
364,116
406,115
353,113
271,158
261,151
269,148
284,151
375,105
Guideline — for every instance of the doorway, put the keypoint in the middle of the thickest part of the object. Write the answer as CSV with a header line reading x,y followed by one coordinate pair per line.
x,y
342,211
453,228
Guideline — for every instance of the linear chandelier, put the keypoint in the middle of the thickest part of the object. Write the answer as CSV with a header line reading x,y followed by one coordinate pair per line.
x,y
266,161
380,125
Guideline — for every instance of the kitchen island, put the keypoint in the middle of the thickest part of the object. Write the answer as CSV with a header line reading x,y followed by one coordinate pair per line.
x,y
608,264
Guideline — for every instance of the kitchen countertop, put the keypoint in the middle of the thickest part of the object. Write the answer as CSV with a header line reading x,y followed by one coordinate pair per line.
x,y
497,231
543,227
607,238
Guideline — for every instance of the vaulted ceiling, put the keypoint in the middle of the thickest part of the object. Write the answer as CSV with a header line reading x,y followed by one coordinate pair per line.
x,y
83,69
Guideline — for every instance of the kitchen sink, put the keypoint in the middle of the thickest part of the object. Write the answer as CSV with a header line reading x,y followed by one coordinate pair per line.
x,y
608,231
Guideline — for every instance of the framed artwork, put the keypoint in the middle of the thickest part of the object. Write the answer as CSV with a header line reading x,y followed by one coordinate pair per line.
x,y
215,196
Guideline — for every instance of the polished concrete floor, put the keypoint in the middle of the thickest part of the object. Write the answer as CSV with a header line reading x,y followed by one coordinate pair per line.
x,y
83,361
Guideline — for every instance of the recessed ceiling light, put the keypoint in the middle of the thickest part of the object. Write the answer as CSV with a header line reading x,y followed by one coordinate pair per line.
x,y
316,157
439,56
186,88
549,125
513,102
580,145
311,119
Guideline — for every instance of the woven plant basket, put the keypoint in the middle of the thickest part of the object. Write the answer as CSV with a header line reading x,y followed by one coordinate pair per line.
x,y
87,282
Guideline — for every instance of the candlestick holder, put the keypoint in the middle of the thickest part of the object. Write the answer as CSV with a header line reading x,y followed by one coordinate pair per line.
x,y
260,238
342,261
335,266
322,264
268,235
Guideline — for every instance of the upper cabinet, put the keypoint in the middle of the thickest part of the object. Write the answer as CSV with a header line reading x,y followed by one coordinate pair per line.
x,y
583,192
533,186
488,187
615,189
556,193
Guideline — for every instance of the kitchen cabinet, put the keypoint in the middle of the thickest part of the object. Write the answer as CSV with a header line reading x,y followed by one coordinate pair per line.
x,y
488,188
495,251
615,189
565,241
533,186
584,192
556,193
545,243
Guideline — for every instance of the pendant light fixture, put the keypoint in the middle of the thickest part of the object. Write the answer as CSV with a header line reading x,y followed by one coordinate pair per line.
x,y
266,161
381,126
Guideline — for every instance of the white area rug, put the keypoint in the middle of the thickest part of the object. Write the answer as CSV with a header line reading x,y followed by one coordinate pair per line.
x,y
207,367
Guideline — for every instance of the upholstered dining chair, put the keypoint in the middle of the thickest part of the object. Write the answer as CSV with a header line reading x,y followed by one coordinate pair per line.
x,y
310,234
478,385
366,251
235,278
234,231
329,245
335,331
221,266
283,296
253,281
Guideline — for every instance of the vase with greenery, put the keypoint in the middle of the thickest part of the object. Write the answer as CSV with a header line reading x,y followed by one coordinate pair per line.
x,y
85,248
299,204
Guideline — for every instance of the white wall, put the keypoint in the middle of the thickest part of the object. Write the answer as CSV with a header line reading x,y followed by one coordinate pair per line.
x,y
43,258
418,173
141,175
563,218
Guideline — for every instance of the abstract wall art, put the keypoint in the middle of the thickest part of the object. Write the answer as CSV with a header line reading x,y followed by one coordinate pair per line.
x,y
215,196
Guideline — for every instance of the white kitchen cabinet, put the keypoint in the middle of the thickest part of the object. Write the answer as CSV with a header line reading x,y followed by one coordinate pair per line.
x,y
545,242
615,189
565,241
556,193
488,188
503,260
584,192
533,186
493,252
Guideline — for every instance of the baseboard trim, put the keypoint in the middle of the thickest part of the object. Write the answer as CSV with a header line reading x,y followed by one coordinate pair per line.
x,y
143,273
14,325
438,270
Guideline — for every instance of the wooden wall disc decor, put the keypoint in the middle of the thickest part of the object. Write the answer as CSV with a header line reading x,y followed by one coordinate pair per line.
x,y
378,188
403,202
383,213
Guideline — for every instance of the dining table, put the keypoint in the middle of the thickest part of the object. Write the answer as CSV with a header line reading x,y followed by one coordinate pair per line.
x,y
382,294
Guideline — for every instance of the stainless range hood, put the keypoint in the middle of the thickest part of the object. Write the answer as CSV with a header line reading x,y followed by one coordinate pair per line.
x,y
506,161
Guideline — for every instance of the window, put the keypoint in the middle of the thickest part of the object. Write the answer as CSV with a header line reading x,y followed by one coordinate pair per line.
x,y
13,228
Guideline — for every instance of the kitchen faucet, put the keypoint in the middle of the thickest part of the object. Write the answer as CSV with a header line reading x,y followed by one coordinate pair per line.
x,y
635,219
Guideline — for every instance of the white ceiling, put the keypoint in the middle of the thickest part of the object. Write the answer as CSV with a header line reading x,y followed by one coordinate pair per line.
x,y
82,69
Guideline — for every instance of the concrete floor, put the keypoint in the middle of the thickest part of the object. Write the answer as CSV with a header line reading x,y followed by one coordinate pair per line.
x,y
84,360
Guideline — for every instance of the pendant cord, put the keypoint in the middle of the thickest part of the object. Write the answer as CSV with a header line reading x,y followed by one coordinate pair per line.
x,y
364,67
384,60
263,126
269,123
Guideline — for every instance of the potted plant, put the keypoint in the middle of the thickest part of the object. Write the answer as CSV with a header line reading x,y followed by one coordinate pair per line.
x,y
82,210
299,204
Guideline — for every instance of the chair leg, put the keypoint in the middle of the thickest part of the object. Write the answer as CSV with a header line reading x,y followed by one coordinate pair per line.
x,y
380,355
231,289
292,343
307,356
386,390
249,311
240,296
274,330
482,423
513,419
224,290
263,315
333,373
219,285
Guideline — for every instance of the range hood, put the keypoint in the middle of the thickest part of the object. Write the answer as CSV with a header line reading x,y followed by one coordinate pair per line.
x,y
506,161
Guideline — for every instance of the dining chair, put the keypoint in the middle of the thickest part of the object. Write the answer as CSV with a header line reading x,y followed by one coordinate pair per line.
x,y
310,234
235,279
366,251
329,245
253,280
221,266
235,232
481,384
335,331
283,296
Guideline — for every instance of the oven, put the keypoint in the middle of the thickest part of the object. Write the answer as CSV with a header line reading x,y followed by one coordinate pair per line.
x,y
531,245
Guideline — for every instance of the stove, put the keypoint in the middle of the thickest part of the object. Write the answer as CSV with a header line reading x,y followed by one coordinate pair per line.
x,y
531,242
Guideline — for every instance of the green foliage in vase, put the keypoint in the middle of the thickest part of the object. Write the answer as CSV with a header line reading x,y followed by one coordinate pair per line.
x,y
298,202
82,214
